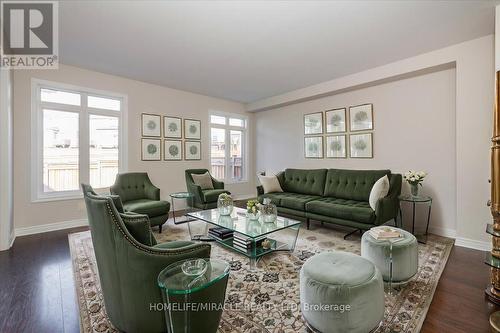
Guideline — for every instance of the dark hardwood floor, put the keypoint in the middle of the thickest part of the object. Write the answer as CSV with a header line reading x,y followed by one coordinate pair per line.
x,y
37,291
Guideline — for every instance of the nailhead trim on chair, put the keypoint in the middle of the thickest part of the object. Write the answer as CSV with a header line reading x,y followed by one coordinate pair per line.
x,y
137,244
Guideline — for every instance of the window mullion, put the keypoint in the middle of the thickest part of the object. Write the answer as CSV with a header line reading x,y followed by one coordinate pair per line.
x,y
228,154
84,151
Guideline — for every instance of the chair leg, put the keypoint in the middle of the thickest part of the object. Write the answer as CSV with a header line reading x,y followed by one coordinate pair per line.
x,y
352,232
308,223
160,228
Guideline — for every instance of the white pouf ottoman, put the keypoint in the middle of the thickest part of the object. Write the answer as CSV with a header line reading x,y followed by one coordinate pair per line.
x,y
404,255
341,292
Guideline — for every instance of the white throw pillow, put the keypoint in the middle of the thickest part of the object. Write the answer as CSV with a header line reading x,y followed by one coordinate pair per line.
x,y
270,184
204,181
379,190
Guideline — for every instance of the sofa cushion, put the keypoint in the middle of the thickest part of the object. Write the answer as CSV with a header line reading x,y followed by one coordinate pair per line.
x,y
212,195
302,181
296,201
151,208
351,184
353,210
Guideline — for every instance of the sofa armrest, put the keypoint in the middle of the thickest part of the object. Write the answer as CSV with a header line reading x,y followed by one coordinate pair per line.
x,y
260,190
196,191
218,185
152,192
387,208
117,202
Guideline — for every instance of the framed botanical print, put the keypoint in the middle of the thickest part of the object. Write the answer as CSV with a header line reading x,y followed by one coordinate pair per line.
x,y
361,145
192,129
361,117
172,150
192,150
335,121
172,127
313,123
151,150
336,146
151,125
313,147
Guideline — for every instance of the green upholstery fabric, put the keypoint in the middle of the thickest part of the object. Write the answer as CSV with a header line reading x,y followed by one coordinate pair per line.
x,y
148,207
139,227
304,181
128,270
139,195
296,201
200,200
343,200
404,255
172,244
359,211
352,184
341,279
212,195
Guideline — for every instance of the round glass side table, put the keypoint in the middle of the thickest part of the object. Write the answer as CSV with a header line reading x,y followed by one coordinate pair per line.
x,y
189,201
426,200
194,303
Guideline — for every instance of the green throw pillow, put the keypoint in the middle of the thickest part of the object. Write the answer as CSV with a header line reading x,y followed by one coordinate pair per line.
x,y
139,228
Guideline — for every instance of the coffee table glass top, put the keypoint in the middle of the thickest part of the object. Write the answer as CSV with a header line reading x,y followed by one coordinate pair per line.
x,y
238,222
174,280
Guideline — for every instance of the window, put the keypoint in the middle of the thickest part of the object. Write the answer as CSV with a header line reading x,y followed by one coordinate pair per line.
x,y
228,135
78,137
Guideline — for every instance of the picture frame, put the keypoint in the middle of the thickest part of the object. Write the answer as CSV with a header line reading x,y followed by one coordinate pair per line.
x,y
192,150
150,149
361,117
336,146
172,127
313,123
192,129
151,125
361,145
313,147
335,121
172,150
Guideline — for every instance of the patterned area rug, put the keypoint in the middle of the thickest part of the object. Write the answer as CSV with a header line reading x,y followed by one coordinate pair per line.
x,y
267,299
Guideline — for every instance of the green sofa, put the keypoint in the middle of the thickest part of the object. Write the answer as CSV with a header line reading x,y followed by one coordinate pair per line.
x,y
203,199
128,269
335,196
139,195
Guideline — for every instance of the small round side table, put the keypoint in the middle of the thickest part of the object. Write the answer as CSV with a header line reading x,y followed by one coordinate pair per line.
x,y
189,201
426,200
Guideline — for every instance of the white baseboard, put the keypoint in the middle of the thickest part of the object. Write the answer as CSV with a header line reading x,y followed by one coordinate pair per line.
x,y
244,196
451,233
38,229
473,244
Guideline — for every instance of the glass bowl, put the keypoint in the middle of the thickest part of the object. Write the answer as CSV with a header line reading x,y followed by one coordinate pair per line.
x,y
194,267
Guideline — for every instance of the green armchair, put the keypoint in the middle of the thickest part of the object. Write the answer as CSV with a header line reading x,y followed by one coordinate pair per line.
x,y
139,195
203,199
128,269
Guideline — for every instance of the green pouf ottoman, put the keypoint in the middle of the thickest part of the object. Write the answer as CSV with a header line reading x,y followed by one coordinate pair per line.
x,y
404,255
341,292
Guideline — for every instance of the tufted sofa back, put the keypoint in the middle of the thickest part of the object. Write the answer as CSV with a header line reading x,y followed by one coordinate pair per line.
x,y
131,186
352,184
302,181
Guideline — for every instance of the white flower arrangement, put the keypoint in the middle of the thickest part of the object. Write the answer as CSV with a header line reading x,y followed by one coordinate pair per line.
x,y
415,177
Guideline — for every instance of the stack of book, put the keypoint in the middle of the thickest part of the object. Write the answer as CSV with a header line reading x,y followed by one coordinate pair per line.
x,y
220,233
380,233
244,243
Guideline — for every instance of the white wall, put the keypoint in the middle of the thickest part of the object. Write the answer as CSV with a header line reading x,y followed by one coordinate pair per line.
x,y
466,156
142,97
6,206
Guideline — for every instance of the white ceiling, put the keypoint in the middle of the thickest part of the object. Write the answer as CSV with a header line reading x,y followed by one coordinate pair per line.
x,y
246,51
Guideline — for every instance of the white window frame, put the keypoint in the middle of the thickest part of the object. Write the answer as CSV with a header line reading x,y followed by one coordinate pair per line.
x,y
37,193
244,154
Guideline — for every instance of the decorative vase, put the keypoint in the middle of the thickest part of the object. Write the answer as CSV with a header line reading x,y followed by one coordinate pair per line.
x,y
269,211
414,190
225,204
253,216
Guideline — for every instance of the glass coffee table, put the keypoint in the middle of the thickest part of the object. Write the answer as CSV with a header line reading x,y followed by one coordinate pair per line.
x,y
281,234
